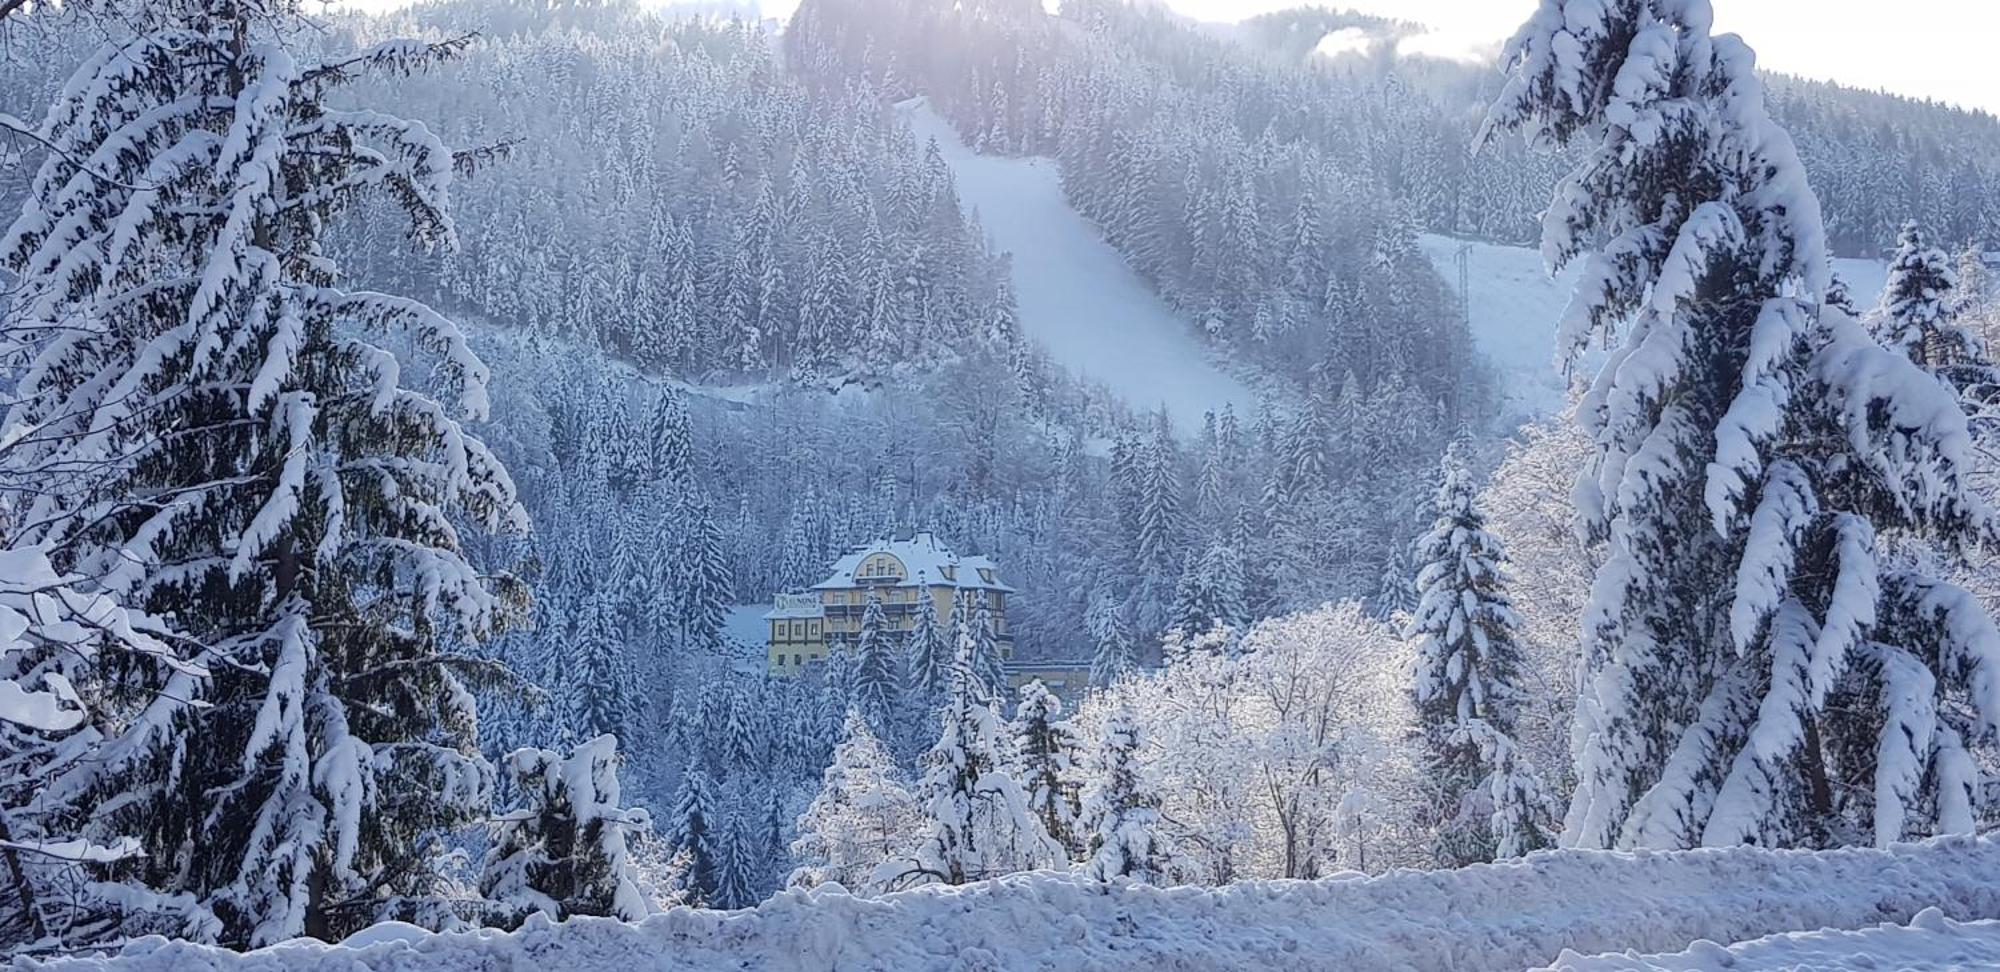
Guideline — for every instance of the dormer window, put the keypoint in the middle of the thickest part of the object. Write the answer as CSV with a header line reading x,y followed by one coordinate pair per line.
x,y
880,569
986,574
950,573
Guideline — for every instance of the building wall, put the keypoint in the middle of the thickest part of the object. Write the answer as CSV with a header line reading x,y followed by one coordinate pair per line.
x,y
798,642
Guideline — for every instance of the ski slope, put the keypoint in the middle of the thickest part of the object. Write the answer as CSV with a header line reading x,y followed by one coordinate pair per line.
x,y
1513,915
1077,296
1515,305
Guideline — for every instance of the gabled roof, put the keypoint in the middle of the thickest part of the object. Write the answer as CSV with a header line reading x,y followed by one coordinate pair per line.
x,y
922,556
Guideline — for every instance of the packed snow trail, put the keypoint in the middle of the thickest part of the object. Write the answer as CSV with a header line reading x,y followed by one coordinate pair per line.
x,y
1077,297
1515,306
1492,916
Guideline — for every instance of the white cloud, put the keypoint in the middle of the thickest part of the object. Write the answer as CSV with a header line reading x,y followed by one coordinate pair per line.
x,y
1344,42
1451,45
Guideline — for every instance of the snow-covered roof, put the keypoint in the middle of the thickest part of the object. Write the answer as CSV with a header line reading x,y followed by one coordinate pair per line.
x,y
924,560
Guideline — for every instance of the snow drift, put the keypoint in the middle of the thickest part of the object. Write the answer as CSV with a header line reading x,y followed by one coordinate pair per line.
x,y
1511,915
1930,941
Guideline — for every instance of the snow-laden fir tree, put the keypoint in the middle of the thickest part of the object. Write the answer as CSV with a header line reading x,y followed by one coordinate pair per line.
x,y
1919,318
745,732
740,863
927,653
562,852
1396,595
975,822
696,831
1120,808
1158,535
1114,651
1752,441
1523,813
1044,762
989,669
861,817
1210,592
878,671
598,677
1467,686
58,638
258,469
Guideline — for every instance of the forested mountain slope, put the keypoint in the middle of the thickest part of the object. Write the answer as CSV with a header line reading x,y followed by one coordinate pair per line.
x,y
1411,122
734,303
675,210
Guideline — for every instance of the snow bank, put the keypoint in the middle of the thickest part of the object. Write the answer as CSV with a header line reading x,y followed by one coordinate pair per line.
x,y
1931,941
1511,915
1076,295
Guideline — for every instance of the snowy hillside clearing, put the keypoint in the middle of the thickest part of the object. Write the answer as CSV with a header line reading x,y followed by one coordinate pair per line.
x,y
1077,296
1515,306
1930,941
1504,916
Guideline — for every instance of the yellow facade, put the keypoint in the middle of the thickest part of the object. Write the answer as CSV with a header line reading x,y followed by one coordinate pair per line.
x,y
804,627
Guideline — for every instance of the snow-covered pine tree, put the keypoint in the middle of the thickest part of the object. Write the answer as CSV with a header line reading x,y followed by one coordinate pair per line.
x,y
709,578
1752,440
1189,614
1113,649
987,666
1121,810
927,652
60,640
1919,319
739,867
975,822
1044,761
597,684
745,734
562,852
878,672
1523,817
1159,540
258,470
1468,667
696,832
861,817
1210,593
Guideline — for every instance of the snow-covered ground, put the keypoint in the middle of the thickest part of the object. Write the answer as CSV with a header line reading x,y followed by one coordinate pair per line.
x,y
1515,306
1507,916
1930,941
744,624
1077,296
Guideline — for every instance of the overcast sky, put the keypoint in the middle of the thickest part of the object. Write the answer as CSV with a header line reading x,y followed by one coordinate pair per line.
x,y
1943,49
